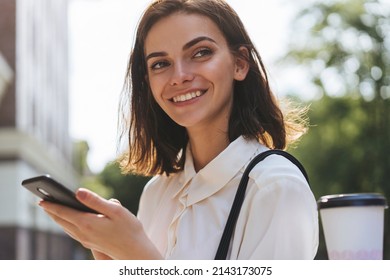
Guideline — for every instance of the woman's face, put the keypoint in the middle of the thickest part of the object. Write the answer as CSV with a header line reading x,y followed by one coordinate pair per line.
x,y
191,71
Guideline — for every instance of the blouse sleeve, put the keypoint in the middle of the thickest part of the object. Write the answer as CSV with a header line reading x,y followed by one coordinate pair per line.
x,y
279,218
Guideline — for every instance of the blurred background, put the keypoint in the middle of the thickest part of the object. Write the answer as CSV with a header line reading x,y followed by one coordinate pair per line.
x,y
62,65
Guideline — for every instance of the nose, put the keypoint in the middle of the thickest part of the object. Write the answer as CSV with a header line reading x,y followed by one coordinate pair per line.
x,y
181,73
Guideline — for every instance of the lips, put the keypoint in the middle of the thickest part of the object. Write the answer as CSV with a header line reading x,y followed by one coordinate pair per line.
x,y
188,96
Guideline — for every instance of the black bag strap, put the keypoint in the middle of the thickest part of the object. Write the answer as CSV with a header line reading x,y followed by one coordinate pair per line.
x,y
240,195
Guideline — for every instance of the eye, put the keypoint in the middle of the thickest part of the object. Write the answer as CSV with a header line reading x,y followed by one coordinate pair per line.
x,y
203,52
159,65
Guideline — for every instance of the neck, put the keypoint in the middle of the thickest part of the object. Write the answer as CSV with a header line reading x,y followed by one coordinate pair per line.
x,y
206,146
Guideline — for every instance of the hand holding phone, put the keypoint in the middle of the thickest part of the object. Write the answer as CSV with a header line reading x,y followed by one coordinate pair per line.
x,y
51,190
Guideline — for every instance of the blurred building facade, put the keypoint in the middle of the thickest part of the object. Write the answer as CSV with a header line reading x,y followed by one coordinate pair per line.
x,y
34,133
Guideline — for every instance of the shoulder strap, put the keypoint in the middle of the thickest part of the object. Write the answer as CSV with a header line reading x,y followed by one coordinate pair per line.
x,y
239,198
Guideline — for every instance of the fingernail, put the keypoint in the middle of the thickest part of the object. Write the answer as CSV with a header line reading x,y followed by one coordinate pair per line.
x,y
42,204
81,194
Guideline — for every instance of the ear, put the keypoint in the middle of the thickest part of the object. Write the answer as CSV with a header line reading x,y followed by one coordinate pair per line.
x,y
241,64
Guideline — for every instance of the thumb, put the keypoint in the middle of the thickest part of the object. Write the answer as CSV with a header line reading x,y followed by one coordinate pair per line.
x,y
95,202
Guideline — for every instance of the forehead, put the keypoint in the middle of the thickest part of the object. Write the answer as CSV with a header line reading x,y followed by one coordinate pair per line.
x,y
177,29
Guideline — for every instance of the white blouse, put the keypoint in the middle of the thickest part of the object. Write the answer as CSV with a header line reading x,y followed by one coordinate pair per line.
x,y
185,214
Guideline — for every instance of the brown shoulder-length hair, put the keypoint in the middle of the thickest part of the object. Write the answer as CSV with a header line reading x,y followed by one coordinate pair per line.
x,y
156,144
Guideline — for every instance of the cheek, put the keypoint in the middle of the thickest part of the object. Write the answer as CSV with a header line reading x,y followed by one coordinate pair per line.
x,y
155,86
221,69
157,89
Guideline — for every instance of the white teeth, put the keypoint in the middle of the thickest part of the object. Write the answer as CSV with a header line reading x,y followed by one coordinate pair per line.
x,y
187,96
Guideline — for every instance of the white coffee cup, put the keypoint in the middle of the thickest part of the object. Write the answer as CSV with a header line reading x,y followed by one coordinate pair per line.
x,y
353,225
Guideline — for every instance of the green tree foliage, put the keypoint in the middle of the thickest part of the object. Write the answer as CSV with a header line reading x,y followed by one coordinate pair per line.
x,y
345,46
126,188
345,153
339,154
80,152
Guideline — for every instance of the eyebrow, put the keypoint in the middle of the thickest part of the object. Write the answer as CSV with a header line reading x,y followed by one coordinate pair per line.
x,y
185,47
197,40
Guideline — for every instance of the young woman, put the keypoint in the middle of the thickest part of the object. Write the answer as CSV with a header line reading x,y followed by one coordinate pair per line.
x,y
201,109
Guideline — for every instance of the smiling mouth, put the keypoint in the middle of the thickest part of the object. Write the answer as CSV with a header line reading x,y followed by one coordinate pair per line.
x,y
187,96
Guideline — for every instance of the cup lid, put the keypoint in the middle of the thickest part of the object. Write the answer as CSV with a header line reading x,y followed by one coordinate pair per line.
x,y
353,199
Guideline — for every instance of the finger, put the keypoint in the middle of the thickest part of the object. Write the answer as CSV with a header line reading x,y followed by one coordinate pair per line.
x,y
115,200
73,230
57,209
96,202
63,212
100,256
69,228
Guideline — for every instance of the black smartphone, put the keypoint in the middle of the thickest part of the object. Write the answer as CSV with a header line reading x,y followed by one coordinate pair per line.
x,y
51,190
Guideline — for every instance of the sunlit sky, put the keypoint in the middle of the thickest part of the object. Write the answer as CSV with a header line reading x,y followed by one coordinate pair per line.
x,y
101,36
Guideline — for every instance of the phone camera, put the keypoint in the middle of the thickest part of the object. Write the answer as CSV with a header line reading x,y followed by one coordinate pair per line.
x,y
45,193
